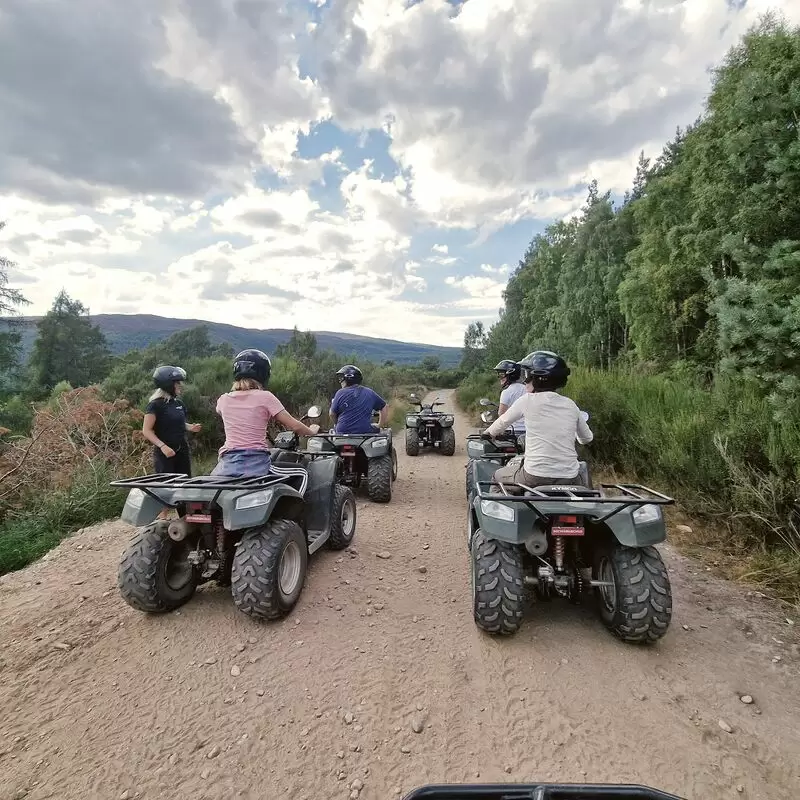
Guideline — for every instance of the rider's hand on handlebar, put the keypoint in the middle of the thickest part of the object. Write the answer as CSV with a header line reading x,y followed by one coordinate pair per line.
x,y
314,428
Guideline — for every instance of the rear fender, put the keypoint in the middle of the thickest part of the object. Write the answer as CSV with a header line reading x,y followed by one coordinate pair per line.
x,y
377,447
517,529
261,504
141,508
630,533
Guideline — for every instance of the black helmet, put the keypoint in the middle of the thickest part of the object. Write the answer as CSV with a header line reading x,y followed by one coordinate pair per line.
x,y
509,370
545,370
167,376
350,374
253,364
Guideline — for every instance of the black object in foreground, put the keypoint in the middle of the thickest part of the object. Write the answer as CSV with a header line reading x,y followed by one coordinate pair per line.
x,y
537,791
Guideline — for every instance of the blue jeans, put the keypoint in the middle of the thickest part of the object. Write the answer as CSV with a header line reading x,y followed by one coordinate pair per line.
x,y
243,464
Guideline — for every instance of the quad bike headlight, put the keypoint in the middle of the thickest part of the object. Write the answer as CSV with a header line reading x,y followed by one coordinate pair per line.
x,y
254,499
448,418
315,444
411,422
379,442
648,513
491,508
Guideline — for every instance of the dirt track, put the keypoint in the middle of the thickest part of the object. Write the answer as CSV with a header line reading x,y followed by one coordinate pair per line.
x,y
99,701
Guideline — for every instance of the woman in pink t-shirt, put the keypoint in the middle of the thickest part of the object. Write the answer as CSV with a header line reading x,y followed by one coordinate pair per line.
x,y
246,411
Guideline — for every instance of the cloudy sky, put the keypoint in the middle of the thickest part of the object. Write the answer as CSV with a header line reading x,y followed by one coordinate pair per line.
x,y
369,166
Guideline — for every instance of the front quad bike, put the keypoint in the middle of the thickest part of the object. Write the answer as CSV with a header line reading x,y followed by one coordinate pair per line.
x,y
361,455
562,541
537,791
427,427
252,534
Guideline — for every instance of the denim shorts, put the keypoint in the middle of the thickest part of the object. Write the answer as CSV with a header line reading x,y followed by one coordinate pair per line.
x,y
243,464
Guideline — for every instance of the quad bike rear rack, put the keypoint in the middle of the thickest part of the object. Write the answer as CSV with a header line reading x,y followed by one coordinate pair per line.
x,y
179,480
381,432
630,494
538,791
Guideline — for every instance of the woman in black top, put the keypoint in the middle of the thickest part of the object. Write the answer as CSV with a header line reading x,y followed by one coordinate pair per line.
x,y
165,422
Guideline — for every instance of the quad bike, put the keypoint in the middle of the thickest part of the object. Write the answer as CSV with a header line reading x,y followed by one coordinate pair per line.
x,y
362,455
564,541
501,449
537,791
252,534
429,428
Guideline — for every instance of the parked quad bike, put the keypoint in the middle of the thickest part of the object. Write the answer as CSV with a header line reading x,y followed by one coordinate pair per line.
x,y
429,428
252,534
369,457
537,791
500,450
564,541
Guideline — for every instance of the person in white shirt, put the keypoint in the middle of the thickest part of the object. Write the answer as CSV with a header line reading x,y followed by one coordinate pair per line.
x,y
552,424
511,389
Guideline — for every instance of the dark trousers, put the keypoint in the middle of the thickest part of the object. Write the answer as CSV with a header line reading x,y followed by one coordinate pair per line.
x,y
181,462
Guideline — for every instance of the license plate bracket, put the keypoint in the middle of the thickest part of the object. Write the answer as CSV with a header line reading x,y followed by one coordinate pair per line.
x,y
568,530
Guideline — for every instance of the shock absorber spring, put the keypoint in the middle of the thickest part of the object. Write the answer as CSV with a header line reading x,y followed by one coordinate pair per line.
x,y
558,552
220,531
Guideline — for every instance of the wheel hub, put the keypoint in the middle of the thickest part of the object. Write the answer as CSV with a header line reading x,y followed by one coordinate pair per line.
x,y
608,589
290,568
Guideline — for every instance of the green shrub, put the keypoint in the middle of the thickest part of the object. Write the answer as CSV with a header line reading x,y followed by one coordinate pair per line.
x,y
29,534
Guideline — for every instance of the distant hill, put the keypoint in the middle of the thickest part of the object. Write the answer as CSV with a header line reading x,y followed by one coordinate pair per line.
x,y
126,332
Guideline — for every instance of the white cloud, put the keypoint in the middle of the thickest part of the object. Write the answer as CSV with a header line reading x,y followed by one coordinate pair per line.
x,y
149,185
495,109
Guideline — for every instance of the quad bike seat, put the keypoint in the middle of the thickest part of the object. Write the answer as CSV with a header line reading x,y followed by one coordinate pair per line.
x,y
286,457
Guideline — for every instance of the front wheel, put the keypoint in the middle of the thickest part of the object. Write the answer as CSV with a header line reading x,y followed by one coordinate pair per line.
x,y
343,518
636,602
379,479
498,596
448,441
412,442
269,569
155,574
394,464
469,478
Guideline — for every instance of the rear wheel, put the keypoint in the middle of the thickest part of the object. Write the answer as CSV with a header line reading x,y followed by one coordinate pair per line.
x,y
498,596
636,603
155,574
269,569
343,521
448,441
412,442
379,479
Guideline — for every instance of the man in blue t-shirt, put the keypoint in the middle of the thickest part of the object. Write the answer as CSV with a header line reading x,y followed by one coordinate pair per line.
x,y
352,406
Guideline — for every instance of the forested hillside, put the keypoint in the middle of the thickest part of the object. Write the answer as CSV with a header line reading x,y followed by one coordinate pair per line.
x,y
681,306
126,332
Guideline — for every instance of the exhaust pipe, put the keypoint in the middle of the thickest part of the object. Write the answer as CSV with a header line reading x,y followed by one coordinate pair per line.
x,y
178,530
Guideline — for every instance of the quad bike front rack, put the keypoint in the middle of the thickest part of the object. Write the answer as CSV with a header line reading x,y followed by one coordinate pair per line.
x,y
538,791
630,494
